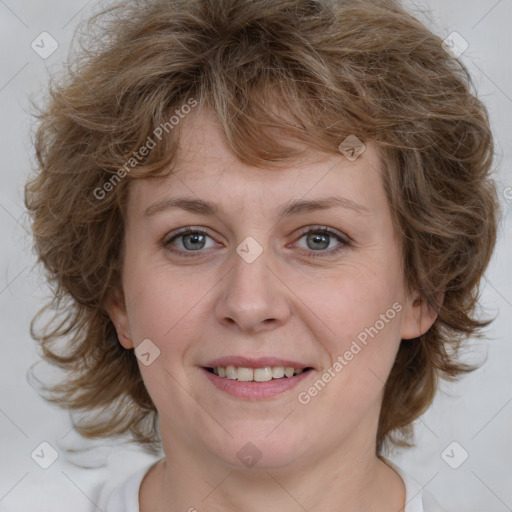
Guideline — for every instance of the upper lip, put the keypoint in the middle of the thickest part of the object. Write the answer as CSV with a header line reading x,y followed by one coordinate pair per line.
x,y
260,362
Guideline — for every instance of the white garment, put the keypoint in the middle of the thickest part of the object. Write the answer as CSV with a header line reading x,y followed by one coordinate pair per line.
x,y
125,498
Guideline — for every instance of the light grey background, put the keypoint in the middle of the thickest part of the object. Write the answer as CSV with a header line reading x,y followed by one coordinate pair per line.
x,y
476,412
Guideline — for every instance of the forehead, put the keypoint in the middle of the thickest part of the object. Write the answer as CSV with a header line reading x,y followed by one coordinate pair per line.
x,y
206,168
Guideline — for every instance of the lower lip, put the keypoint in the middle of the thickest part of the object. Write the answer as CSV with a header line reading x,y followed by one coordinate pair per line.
x,y
255,390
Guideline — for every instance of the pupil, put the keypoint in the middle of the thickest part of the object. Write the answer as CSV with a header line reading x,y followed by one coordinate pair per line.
x,y
318,237
195,238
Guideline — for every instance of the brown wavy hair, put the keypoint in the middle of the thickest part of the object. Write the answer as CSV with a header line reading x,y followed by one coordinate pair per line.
x,y
330,69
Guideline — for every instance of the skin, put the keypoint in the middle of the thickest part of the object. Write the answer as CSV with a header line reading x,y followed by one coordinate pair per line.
x,y
319,456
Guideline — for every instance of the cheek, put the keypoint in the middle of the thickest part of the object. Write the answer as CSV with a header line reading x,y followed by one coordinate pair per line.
x,y
358,325
159,301
355,299
361,354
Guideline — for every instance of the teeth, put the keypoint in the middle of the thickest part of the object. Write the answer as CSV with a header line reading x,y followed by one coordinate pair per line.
x,y
277,372
262,374
245,374
256,374
231,372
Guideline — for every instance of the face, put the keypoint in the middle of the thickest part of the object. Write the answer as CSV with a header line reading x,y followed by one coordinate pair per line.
x,y
264,284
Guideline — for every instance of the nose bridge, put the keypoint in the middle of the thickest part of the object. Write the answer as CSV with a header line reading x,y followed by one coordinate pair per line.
x,y
253,296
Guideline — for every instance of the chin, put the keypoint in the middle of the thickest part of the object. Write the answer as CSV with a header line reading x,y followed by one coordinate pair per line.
x,y
262,452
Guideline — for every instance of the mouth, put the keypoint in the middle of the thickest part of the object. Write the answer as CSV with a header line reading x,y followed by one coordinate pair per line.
x,y
263,374
255,379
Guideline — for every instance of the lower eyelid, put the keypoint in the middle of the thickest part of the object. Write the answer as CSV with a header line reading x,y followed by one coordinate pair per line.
x,y
343,244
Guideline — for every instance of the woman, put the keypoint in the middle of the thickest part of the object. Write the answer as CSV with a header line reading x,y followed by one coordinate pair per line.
x,y
271,219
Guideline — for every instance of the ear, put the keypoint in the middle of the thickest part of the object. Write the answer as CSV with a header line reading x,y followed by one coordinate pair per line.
x,y
116,310
418,316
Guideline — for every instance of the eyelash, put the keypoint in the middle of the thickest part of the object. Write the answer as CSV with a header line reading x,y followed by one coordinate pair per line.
x,y
344,241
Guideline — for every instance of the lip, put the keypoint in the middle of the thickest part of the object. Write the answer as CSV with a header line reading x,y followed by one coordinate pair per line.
x,y
255,390
260,362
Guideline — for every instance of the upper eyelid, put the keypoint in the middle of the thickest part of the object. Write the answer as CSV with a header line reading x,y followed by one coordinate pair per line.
x,y
329,230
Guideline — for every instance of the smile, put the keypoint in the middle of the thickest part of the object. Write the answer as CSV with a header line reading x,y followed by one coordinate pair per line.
x,y
264,374
253,379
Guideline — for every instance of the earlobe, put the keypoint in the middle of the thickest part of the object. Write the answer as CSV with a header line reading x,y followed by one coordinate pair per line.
x,y
116,310
419,317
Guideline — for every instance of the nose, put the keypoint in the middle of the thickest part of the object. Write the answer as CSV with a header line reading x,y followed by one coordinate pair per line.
x,y
253,297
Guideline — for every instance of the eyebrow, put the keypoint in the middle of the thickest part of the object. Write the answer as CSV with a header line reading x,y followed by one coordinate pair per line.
x,y
296,207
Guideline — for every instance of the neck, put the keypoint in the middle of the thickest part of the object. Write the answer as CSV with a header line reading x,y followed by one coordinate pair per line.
x,y
350,478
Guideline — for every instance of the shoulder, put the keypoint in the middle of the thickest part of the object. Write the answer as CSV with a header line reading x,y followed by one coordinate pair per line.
x,y
417,499
123,496
430,504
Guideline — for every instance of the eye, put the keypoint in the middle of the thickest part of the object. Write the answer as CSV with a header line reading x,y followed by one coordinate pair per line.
x,y
319,239
188,240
